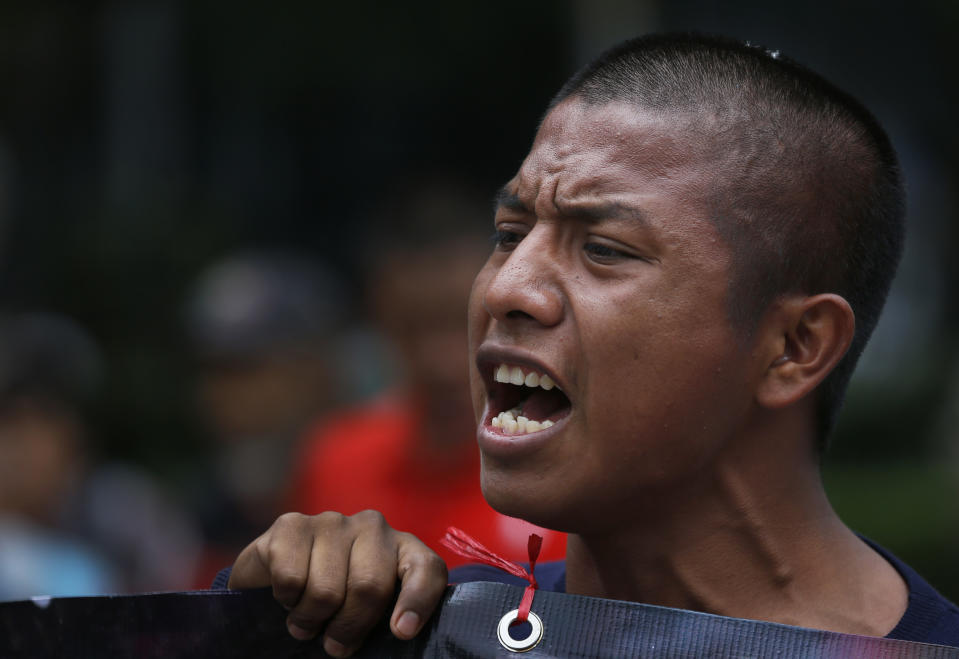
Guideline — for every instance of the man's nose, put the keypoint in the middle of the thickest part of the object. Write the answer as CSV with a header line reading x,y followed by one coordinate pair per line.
x,y
526,286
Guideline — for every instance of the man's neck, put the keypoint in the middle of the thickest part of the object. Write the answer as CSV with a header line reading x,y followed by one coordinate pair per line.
x,y
758,539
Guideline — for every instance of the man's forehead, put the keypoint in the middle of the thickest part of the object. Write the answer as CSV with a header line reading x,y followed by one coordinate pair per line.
x,y
597,153
615,124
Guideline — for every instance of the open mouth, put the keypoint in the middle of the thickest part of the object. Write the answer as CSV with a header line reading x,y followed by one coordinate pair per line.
x,y
523,401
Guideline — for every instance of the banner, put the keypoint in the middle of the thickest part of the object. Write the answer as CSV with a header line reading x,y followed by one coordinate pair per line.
x,y
470,623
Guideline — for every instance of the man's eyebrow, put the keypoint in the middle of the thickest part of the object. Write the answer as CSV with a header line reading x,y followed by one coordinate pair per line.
x,y
508,200
594,211
588,211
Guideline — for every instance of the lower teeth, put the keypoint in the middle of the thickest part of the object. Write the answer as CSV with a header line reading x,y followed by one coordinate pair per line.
x,y
512,422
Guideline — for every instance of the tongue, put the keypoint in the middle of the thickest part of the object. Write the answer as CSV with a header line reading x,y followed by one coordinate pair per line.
x,y
542,405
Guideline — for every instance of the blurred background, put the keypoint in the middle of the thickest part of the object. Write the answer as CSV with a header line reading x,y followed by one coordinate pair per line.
x,y
200,203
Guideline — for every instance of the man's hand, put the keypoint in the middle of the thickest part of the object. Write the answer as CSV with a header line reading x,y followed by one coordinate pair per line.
x,y
338,574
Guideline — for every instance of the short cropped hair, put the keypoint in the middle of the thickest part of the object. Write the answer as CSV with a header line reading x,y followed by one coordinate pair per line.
x,y
810,198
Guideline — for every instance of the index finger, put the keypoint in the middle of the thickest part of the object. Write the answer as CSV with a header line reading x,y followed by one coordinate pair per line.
x,y
279,558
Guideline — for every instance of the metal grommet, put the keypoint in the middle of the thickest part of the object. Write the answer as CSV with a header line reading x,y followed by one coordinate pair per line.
x,y
523,644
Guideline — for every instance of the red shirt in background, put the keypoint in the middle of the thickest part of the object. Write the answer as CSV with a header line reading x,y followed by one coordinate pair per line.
x,y
371,457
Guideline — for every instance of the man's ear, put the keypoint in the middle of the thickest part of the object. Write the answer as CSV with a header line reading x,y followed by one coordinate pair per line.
x,y
807,338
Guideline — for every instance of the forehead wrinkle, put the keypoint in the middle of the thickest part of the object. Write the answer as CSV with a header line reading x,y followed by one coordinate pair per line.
x,y
563,175
593,211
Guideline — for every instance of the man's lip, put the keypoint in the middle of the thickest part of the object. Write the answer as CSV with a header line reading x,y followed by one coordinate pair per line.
x,y
499,446
490,356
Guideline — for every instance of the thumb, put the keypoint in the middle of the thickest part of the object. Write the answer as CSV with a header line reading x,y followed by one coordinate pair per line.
x,y
423,579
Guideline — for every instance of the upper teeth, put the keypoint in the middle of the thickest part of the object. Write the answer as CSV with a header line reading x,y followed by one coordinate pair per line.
x,y
515,375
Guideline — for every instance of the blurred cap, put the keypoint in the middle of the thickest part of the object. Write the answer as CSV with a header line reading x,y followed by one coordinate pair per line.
x,y
252,303
50,355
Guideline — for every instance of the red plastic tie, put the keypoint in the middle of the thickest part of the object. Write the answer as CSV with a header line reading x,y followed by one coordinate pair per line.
x,y
466,546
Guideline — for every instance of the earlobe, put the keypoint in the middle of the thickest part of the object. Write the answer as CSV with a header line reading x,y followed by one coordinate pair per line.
x,y
809,335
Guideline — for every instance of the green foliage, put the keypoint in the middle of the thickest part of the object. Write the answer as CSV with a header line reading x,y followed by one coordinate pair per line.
x,y
909,508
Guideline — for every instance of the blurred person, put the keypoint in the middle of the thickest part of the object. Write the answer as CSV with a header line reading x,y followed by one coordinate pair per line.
x,y
69,523
262,327
410,452
40,463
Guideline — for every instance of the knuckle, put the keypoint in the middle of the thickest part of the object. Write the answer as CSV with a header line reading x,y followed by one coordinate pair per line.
x,y
328,519
289,520
349,627
424,566
276,551
370,591
425,559
304,622
261,547
322,596
289,580
371,517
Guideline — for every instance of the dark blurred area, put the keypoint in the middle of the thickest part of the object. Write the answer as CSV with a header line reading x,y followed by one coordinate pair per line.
x,y
168,169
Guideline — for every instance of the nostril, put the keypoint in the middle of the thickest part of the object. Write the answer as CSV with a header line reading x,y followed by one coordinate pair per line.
x,y
523,295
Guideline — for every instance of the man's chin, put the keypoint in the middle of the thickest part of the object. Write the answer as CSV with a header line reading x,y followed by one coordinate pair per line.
x,y
529,506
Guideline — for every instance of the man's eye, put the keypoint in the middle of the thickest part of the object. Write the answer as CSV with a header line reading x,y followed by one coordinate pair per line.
x,y
604,253
506,239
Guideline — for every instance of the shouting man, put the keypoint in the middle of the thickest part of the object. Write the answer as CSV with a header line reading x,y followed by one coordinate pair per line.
x,y
687,266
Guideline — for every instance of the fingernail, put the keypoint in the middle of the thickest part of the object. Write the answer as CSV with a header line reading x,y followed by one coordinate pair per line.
x,y
334,648
408,623
298,632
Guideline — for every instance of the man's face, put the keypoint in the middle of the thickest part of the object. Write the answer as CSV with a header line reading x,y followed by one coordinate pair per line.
x,y
608,278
